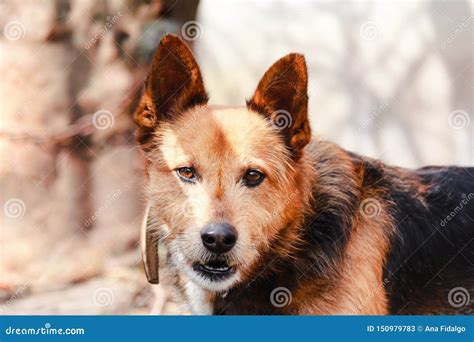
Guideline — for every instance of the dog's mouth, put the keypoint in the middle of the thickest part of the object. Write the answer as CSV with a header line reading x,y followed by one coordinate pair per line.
x,y
215,269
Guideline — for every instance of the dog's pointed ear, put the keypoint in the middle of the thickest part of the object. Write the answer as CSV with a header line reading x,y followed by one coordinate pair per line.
x,y
282,97
174,84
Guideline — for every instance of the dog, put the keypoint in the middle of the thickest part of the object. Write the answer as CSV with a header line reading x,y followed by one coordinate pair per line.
x,y
259,217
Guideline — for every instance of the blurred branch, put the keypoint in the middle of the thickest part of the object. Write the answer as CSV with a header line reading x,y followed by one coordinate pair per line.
x,y
63,138
81,128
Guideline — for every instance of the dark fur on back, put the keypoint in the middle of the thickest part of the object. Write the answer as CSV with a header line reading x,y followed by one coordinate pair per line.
x,y
433,250
428,254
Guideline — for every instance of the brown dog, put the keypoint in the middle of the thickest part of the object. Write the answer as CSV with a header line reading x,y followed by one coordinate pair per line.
x,y
259,218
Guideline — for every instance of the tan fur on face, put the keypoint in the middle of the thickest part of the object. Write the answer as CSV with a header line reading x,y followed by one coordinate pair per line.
x,y
221,144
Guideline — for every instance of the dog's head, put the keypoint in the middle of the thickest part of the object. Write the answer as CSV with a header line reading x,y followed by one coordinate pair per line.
x,y
223,182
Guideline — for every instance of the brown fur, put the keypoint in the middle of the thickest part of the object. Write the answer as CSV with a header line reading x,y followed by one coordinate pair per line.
x,y
284,88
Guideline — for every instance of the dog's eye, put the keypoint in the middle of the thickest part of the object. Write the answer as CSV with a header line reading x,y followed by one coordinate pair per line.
x,y
253,178
187,174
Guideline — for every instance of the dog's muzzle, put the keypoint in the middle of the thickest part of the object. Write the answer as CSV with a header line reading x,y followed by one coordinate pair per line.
x,y
214,269
218,238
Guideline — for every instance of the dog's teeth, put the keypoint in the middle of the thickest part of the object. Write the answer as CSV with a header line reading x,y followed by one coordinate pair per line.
x,y
220,269
216,267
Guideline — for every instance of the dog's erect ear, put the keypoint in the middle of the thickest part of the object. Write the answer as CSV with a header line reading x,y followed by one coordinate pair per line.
x,y
174,84
282,96
149,246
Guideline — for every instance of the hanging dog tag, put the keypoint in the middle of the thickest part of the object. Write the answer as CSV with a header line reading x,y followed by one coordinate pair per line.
x,y
149,249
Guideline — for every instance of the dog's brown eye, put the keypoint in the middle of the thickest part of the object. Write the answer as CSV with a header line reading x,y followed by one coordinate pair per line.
x,y
253,178
187,174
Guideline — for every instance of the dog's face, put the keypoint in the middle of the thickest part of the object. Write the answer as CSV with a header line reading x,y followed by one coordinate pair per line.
x,y
222,181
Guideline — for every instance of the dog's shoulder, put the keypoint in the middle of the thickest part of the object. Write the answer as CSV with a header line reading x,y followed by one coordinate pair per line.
x,y
427,215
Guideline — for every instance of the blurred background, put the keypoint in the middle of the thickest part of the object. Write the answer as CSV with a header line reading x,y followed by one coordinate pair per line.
x,y
389,79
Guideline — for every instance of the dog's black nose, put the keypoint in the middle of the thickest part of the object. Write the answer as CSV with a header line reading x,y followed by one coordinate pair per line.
x,y
219,237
